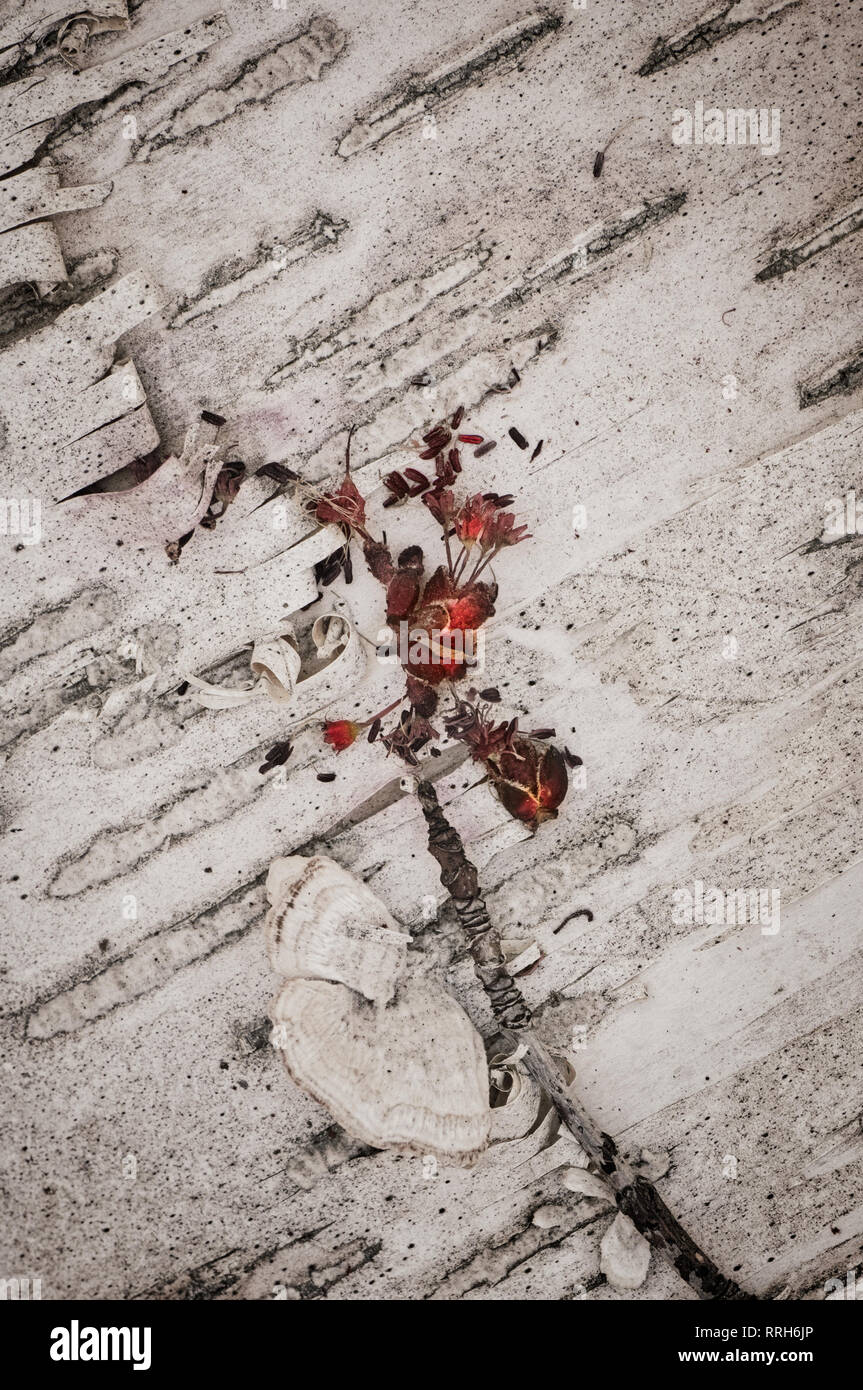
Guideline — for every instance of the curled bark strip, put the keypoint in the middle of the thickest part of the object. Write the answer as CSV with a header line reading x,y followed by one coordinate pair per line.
x,y
636,1197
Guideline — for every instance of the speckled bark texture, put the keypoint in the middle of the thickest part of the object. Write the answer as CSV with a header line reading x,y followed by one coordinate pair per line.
x,y
237,232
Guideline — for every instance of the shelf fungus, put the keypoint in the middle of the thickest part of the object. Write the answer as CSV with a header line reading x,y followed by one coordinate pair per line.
x,y
392,1056
324,924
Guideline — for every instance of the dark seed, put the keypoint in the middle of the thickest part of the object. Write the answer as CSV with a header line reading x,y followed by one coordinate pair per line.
x,y
181,689
326,777
329,572
492,694
280,752
277,755
396,483
417,477
278,471
374,730
212,419
348,567
330,567
536,452
453,458
517,437
470,438
435,752
573,760
542,733
598,163
485,448
457,418
444,472
430,452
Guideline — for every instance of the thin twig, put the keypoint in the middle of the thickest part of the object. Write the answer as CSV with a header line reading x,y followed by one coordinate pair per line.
x,y
636,1197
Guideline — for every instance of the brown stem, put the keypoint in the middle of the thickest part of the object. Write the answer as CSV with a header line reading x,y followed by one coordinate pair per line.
x,y
486,560
461,563
382,713
634,1194
447,548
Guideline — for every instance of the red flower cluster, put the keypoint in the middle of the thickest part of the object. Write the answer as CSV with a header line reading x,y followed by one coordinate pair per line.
x,y
480,521
441,613
529,777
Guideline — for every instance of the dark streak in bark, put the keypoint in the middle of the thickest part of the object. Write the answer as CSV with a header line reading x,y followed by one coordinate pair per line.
x,y
840,381
431,91
817,241
667,54
585,258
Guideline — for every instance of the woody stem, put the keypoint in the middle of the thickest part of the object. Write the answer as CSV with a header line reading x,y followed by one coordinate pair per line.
x,y
636,1197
